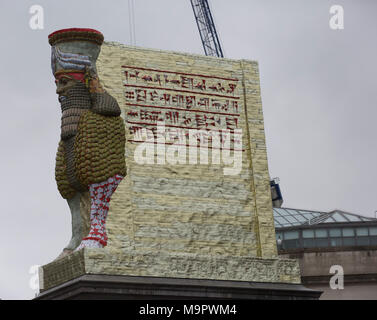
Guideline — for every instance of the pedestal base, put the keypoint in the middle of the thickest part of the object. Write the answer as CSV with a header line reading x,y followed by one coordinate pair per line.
x,y
106,287
126,274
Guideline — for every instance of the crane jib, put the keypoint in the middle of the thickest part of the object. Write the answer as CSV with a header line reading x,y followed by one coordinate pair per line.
x,y
207,30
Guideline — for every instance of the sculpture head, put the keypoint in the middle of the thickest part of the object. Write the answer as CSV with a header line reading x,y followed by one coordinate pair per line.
x,y
75,50
74,53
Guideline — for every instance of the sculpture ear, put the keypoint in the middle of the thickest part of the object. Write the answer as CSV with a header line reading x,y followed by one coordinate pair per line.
x,y
89,75
90,70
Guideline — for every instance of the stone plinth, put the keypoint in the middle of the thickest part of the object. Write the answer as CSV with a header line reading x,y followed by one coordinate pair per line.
x,y
180,265
106,287
107,274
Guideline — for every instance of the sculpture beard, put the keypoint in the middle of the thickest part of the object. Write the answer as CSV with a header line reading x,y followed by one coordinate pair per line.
x,y
73,105
79,137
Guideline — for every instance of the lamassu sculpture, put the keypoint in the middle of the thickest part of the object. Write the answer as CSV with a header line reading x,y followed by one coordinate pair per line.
x,y
90,155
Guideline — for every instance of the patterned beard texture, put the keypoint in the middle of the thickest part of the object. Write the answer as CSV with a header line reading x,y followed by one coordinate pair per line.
x,y
92,145
73,105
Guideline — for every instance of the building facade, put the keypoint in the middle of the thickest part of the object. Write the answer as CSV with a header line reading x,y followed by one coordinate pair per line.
x,y
337,250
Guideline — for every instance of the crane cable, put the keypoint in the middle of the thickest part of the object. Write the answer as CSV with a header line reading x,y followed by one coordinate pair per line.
x,y
131,20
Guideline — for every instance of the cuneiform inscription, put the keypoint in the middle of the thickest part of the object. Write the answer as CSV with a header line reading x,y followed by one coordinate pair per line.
x,y
172,135
181,101
179,80
181,119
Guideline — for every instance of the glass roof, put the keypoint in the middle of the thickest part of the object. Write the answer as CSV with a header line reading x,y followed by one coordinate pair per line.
x,y
287,217
339,218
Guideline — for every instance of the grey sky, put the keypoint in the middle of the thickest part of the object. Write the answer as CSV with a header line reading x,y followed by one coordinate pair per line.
x,y
318,93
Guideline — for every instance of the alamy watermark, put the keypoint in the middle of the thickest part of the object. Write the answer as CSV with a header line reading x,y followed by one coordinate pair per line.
x,y
337,19
225,146
36,21
337,280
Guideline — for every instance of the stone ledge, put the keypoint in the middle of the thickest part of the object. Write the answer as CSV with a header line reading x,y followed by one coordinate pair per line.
x,y
161,264
151,288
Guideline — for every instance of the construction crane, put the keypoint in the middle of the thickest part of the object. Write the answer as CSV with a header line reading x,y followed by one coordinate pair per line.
x,y
212,47
207,30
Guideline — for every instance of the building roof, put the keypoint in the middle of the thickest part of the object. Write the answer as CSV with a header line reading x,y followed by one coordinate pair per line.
x,y
287,217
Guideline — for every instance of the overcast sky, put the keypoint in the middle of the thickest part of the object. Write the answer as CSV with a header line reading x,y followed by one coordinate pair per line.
x,y
318,92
